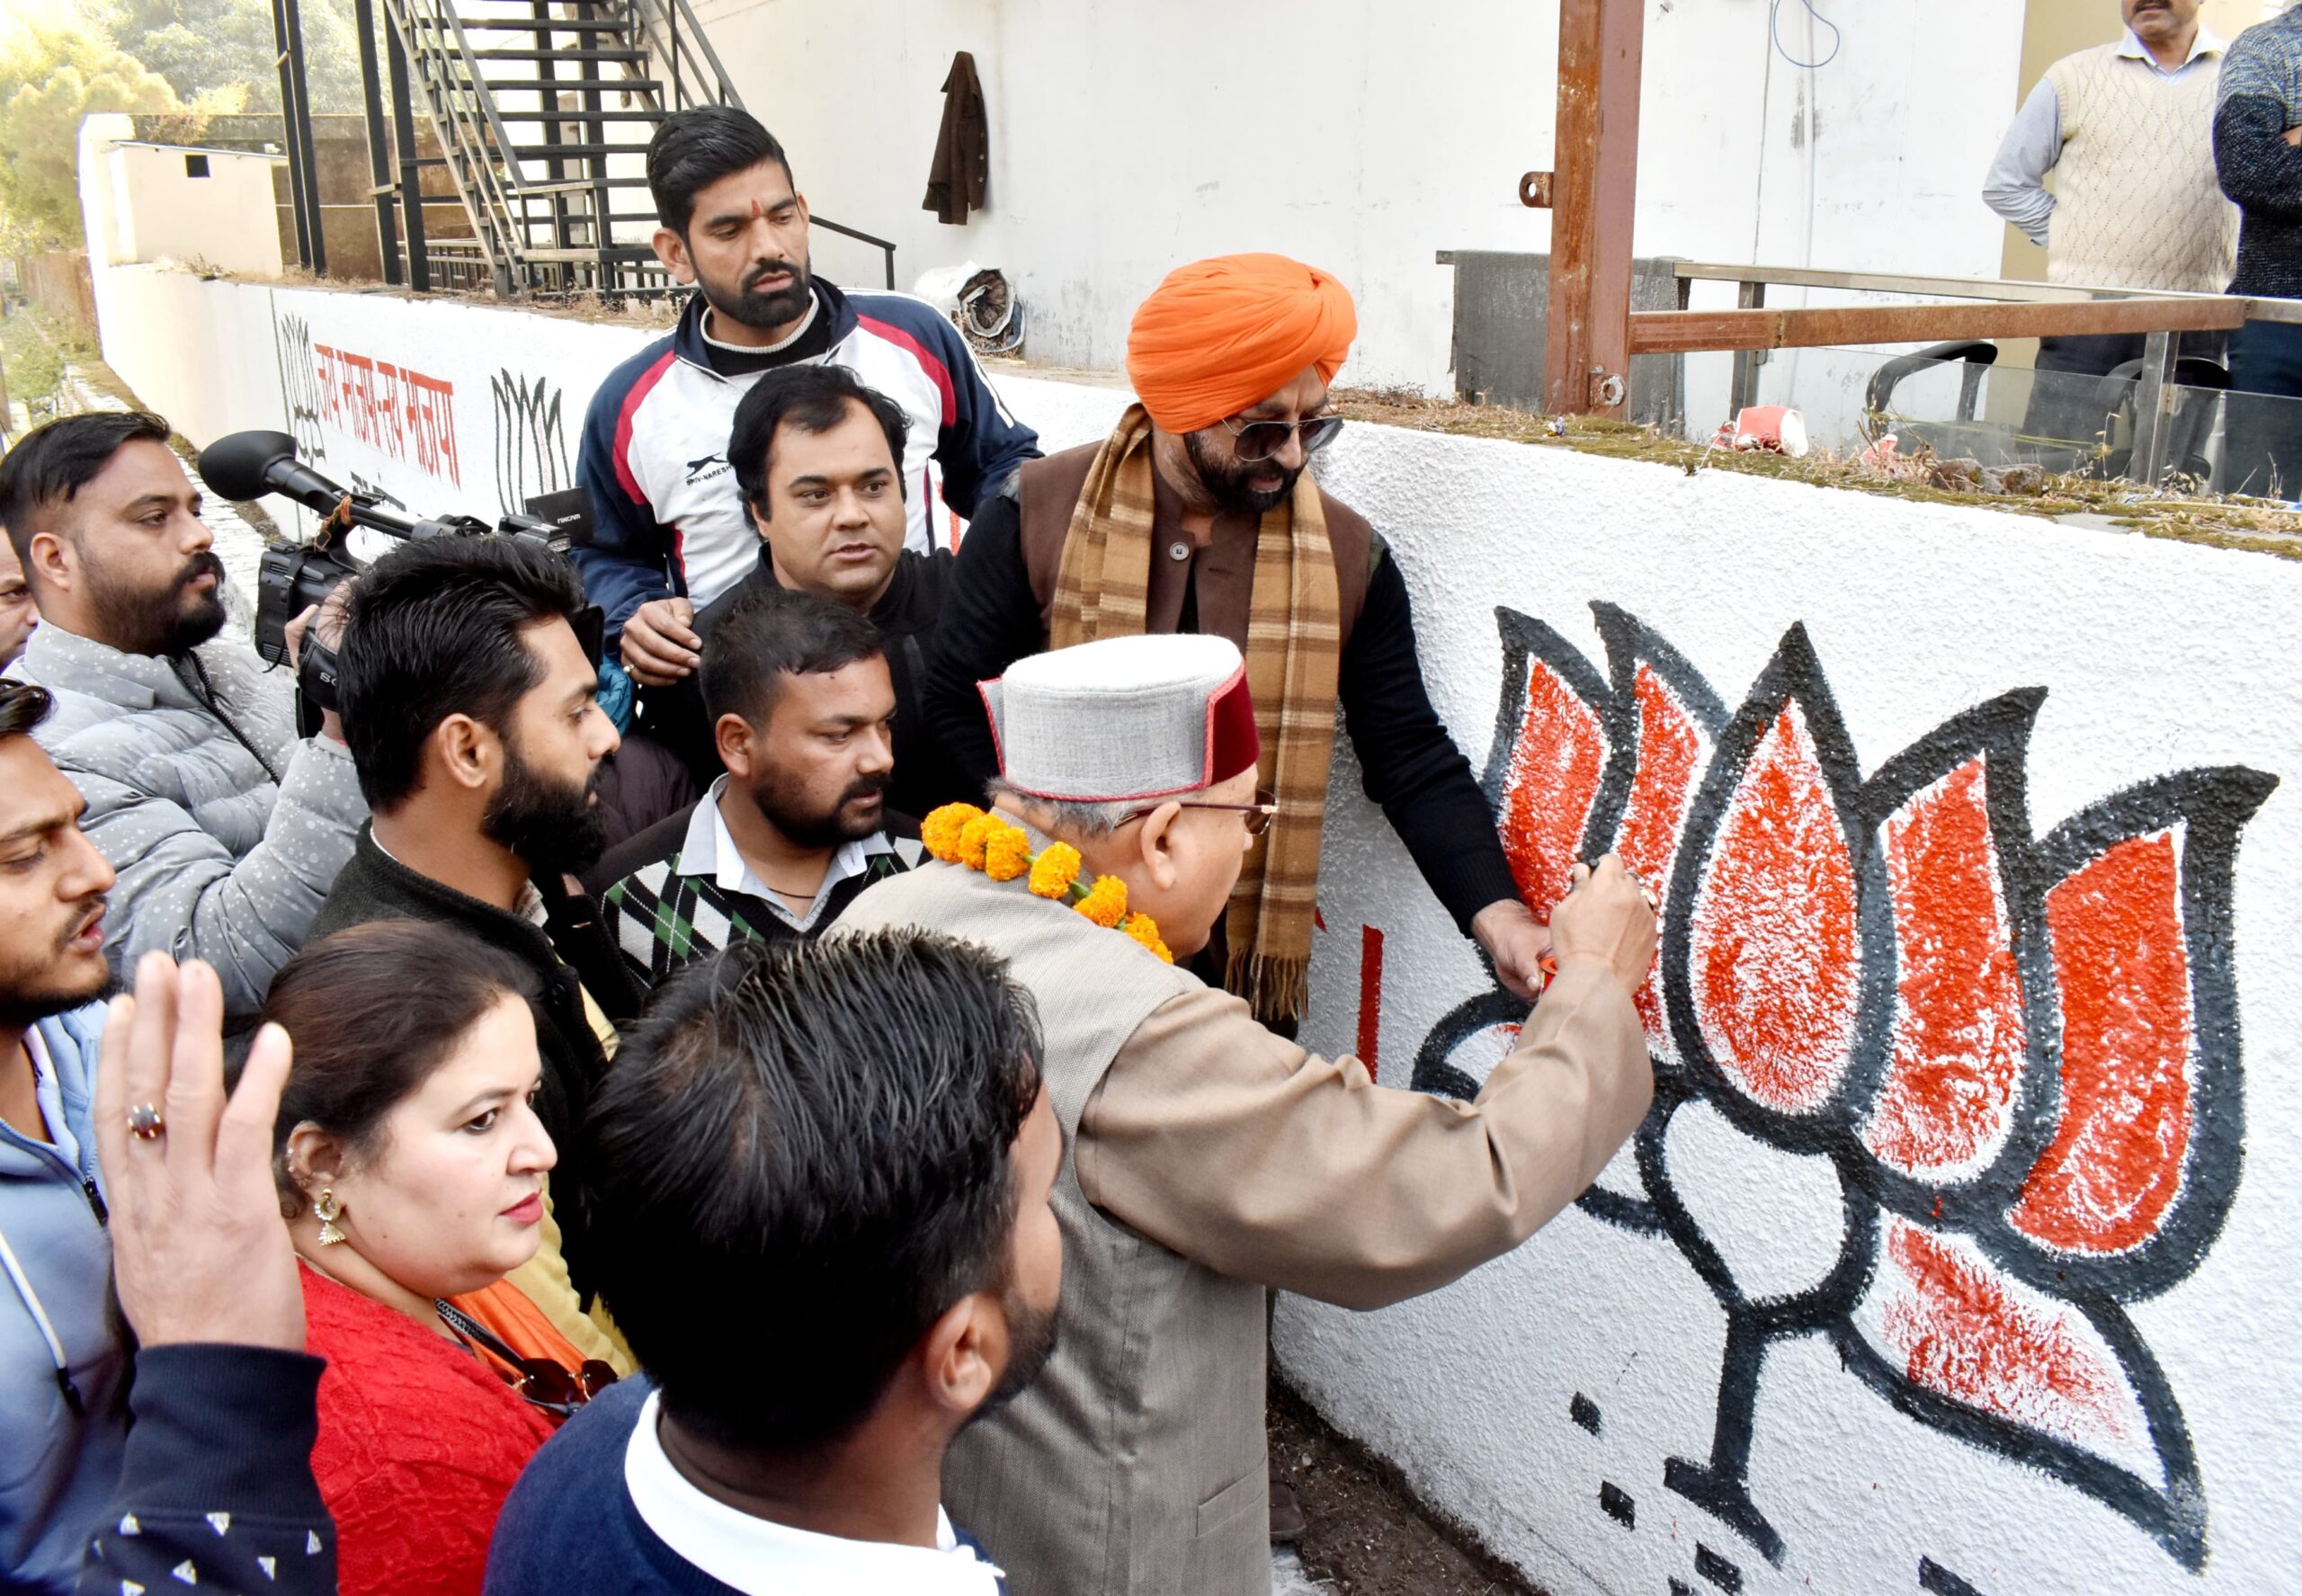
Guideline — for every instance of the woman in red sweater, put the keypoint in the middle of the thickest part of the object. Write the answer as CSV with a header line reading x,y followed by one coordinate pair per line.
x,y
411,1169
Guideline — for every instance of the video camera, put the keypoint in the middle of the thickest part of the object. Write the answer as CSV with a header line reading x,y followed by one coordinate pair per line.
x,y
292,578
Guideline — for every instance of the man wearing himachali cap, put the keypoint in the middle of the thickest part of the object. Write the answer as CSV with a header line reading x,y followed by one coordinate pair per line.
x,y
1208,1157
1196,515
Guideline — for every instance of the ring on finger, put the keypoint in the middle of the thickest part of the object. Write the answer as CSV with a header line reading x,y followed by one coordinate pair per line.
x,y
146,1124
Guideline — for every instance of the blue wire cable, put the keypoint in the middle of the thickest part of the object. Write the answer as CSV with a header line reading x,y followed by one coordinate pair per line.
x,y
1774,32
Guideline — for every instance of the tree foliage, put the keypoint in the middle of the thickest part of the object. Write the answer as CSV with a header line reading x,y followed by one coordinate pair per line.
x,y
205,45
143,56
53,74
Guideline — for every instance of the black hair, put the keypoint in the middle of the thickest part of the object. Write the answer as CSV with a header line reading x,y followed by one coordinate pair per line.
x,y
432,630
365,1040
694,149
52,462
24,707
773,632
802,1158
813,398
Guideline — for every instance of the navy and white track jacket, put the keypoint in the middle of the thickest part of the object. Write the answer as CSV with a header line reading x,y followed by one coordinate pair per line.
x,y
667,517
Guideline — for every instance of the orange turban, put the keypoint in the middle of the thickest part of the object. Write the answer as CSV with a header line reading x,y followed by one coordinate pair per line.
x,y
1220,336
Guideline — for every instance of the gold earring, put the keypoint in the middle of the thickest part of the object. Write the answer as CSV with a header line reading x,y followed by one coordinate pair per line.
x,y
328,1211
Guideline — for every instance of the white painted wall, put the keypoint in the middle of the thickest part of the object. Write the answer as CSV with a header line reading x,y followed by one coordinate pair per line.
x,y
2157,658
1364,137
140,202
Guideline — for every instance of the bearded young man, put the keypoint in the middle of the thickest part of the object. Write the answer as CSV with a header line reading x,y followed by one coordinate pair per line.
x,y
226,828
1197,515
672,532
801,706
1210,1159
470,707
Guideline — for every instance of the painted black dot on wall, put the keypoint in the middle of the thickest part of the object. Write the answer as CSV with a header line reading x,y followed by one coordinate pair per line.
x,y
1584,1412
1617,1504
1720,1571
1679,1587
1940,1581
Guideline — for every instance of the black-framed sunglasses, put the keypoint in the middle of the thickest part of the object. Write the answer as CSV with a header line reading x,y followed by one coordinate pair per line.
x,y
541,1383
1259,813
1260,440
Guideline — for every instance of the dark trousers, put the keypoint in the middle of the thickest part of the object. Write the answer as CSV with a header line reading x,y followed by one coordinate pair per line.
x,y
2066,406
2262,438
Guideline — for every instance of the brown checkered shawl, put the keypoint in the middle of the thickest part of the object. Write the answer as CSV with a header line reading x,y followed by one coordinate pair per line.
x,y
1294,650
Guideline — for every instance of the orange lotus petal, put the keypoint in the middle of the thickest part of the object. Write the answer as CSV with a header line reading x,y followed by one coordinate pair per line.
x,y
1553,780
1671,753
1776,960
2115,1166
1961,1329
1960,1042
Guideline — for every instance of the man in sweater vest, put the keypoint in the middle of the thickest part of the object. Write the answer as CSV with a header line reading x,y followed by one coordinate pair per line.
x,y
1210,1159
2128,131
1198,515
2258,150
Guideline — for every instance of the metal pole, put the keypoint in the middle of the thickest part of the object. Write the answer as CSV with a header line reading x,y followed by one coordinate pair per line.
x,y
2154,403
379,162
1744,389
411,186
299,131
1594,185
288,140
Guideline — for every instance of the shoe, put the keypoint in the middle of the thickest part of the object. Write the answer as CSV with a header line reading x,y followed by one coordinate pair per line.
x,y
1287,1521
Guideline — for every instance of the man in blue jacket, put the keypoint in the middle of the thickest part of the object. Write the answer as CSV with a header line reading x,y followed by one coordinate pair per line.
x,y
63,1371
671,531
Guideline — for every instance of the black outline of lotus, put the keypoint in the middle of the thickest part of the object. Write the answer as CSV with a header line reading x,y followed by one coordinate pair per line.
x,y
2210,806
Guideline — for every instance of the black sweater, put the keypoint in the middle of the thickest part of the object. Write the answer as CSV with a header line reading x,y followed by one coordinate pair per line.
x,y
570,955
217,1478
2260,97
1408,764
905,615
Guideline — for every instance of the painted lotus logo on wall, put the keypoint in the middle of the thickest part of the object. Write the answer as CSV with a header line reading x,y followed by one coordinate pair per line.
x,y
2006,1067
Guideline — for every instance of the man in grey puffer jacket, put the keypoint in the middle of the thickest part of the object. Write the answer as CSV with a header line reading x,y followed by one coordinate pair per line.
x,y
226,828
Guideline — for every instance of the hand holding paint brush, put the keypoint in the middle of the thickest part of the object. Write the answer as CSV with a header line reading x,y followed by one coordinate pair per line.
x,y
1607,914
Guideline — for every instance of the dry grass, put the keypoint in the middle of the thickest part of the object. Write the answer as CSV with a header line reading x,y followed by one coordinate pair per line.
x,y
2223,521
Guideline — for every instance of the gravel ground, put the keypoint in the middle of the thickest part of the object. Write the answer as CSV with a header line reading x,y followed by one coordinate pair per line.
x,y
1367,1536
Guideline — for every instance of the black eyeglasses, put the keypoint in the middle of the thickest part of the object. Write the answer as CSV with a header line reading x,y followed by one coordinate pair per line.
x,y
1259,813
1260,440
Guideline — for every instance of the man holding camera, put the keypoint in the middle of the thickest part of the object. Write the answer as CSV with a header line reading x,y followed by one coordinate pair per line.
x,y
226,829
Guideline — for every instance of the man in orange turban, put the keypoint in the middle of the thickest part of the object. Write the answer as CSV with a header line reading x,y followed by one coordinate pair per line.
x,y
1196,515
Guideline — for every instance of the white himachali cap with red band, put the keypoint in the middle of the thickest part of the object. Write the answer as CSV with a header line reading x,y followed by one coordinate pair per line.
x,y
1124,719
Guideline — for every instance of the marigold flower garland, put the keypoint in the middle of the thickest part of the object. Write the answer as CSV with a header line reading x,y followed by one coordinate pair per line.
x,y
962,834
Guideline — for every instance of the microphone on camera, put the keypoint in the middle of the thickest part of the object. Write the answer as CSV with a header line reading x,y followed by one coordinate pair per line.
x,y
245,466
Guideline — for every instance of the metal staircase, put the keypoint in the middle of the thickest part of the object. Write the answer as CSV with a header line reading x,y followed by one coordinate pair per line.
x,y
542,110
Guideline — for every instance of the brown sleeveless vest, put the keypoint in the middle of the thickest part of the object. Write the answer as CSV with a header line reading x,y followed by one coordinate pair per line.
x,y
1222,576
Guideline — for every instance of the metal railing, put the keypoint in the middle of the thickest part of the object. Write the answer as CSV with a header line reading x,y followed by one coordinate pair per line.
x,y
1976,308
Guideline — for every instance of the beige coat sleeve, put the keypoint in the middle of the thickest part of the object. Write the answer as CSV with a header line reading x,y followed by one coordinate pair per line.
x,y
1242,1152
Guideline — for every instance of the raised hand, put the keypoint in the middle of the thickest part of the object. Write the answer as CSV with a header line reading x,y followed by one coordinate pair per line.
x,y
199,1252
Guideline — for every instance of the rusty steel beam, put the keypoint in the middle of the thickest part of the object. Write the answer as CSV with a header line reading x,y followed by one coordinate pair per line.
x,y
1592,192
1687,332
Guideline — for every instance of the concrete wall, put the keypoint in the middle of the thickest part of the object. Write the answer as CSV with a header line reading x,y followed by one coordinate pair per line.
x,y
1365,137
154,203
1958,1253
